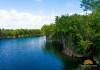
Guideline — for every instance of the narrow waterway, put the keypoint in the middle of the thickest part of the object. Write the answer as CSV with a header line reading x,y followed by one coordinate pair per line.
x,y
33,53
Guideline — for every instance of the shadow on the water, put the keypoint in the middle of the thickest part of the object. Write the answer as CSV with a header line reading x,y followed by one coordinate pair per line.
x,y
68,62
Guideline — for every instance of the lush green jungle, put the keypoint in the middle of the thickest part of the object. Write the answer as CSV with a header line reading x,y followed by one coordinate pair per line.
x,y
81,33
10,33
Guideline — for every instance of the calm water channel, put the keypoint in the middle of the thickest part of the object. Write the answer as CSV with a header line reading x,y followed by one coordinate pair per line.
x,y
32,53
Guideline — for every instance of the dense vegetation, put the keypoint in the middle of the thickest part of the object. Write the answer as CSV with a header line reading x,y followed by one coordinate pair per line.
x,y
79,32
10,33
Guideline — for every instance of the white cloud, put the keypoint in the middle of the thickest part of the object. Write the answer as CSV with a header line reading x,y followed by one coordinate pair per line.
x,y
12,19
81,13
85,13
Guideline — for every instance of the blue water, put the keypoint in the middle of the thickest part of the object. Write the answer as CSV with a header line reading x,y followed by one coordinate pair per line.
x,y
31,54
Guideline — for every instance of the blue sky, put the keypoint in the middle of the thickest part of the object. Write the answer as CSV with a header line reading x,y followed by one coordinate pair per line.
x,y
33,14
38,6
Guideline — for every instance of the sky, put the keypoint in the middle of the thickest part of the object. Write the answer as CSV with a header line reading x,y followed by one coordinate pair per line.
x,y
33,14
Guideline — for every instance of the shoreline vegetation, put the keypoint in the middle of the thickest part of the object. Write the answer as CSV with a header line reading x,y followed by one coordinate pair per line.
x,y
79,34
19,33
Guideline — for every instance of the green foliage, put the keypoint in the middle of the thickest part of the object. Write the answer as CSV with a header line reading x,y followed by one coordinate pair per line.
x,y
93,5
10,33
96,42
76,31
48,30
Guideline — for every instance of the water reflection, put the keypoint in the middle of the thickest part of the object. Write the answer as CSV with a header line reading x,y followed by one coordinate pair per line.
x,y
68,62
33,53
27,54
